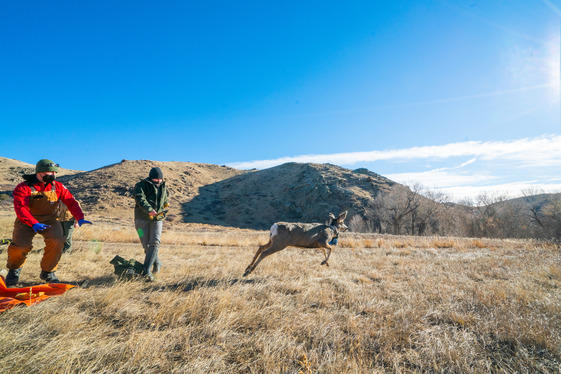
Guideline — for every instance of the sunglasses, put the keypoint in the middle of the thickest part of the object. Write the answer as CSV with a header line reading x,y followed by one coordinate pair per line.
x,y
52,164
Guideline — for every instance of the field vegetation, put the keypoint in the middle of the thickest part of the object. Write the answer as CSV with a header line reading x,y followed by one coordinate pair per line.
x,y
387,303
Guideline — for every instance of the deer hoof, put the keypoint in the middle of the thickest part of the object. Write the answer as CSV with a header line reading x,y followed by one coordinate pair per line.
x,y
247,272
325,263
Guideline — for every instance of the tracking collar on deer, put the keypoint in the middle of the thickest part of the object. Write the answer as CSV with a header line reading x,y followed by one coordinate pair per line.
x,y
335,235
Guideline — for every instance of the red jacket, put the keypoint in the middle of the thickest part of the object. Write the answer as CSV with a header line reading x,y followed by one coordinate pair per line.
x,y
22,194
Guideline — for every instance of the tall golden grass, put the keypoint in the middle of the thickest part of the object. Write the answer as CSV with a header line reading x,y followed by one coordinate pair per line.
x,y
386,304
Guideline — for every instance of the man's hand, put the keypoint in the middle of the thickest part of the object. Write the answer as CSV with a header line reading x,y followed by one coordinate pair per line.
x,y
153,214
82,221
40,227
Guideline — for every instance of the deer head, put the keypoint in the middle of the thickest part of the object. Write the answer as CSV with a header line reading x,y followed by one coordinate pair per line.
x,y
338,221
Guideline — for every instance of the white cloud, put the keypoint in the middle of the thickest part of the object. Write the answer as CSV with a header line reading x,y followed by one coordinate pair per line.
x,y
541,151
468,185
439,178
505,167
510,190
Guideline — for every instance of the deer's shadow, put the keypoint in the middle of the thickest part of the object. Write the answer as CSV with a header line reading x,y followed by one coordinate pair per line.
x,y
193,284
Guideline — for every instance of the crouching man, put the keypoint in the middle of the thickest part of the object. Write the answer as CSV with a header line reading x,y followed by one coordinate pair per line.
x,y
36,202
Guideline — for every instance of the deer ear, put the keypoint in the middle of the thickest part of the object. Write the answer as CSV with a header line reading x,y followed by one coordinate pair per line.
x,y
342,216
331,216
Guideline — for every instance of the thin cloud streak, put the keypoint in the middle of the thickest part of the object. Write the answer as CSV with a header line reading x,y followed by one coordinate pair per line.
x,y
460,185
510,190
542,151
552,7
447,100
491,166
440,178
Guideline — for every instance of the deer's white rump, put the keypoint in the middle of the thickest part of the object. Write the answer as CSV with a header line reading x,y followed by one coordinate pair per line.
x,y
305,235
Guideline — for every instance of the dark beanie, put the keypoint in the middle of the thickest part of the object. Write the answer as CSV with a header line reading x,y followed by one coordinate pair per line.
x,y
156,173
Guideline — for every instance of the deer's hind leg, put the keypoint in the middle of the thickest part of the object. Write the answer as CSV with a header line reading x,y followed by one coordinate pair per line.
x,y
253,264
275,247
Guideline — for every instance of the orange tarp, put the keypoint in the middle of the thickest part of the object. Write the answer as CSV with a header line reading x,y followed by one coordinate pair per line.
x,y
10,297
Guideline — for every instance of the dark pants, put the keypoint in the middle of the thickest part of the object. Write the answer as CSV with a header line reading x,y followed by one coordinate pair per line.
x,y
150,233
67,230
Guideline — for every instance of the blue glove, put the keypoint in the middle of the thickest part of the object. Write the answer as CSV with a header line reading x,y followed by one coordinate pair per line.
x,y
333,242
82,221
40,227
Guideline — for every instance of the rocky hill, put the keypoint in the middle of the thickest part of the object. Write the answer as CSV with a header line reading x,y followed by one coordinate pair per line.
x,y
108,191
289,192
219,195
12,170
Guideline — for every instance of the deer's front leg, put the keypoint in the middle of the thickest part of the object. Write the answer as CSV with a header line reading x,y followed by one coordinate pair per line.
x,y
326,254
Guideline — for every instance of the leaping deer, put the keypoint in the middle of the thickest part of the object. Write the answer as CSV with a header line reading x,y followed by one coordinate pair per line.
x,y
304,235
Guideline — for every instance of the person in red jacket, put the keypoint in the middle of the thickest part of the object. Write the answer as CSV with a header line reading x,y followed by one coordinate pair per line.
x,y
36,203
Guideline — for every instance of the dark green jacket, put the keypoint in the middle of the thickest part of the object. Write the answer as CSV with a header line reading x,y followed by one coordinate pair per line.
x,y
149,197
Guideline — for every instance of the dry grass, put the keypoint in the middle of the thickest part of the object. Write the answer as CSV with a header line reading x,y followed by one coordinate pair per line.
x,y
386,304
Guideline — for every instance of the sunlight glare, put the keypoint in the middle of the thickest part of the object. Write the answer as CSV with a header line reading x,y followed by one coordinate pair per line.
x,y
554,65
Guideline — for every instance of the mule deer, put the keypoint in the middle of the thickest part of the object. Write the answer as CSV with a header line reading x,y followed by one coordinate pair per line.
x,y
303,235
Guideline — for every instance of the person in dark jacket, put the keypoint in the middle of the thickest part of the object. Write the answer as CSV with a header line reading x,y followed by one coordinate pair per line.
x,y
151,206
36,202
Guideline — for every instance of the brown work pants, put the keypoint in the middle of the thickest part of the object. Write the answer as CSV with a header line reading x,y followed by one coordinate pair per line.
x,y
22,243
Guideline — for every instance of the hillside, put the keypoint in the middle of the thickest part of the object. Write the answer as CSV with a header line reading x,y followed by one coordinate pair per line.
x,y
223,196
289,192
219,195
12,170
108,191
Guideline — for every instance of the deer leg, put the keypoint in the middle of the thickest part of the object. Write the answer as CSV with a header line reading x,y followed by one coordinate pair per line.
x,y
251,266
327,253
267,252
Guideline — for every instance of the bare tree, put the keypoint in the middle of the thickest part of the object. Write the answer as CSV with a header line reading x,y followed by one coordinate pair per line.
x,y
399,209
427,214
486,220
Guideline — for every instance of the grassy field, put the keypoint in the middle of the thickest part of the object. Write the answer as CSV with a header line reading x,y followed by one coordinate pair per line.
x,y
386,304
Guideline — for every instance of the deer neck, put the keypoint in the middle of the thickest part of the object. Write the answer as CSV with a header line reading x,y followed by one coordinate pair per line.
x,y
335,231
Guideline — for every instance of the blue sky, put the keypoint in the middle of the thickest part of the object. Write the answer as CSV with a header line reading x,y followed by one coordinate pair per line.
x,y
394,86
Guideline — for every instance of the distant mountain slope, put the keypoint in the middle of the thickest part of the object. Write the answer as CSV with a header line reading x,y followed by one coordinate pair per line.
x,y
538,201
11,172
109,190
220,195
206,193
289,192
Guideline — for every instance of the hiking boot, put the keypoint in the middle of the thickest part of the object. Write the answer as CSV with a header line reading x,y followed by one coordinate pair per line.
x,y
49,276
13,277
149,278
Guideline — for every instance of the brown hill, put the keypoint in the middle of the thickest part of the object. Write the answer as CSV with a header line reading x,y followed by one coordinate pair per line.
x,y
108,191
219,195
289,192
11,172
